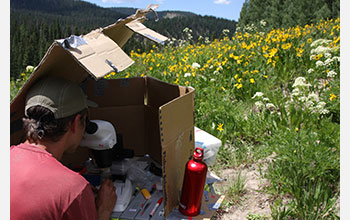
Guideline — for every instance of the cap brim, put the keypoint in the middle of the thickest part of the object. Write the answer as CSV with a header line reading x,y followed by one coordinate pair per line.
x,y
91,104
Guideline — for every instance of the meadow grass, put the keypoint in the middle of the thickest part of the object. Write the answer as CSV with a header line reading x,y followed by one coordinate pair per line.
x,y
264,93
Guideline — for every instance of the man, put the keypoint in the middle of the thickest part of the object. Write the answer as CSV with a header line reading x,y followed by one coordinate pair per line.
x,y
40,186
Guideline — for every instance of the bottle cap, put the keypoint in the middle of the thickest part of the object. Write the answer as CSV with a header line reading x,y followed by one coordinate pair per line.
x,y
198,153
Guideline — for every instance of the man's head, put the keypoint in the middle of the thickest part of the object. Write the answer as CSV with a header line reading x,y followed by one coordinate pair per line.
x,y
52,105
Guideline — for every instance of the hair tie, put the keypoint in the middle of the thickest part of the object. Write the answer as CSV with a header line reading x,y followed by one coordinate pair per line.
x,y
40,129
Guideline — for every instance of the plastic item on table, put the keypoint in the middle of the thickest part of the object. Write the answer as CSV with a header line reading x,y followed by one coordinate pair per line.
x,y
209,143
124,192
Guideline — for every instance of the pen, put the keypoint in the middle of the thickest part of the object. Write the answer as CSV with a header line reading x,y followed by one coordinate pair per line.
x,y
145,207
155,207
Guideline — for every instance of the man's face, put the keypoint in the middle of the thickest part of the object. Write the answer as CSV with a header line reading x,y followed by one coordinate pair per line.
x,y
78,135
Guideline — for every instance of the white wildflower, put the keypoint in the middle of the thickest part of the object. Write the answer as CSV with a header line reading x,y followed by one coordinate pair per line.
x,y
259,104
319,63
187,74
263,23
312,57
313,97
320,108
296,92
189,36
300,82
302,99
270,106
327,55
321,50
225,32
195,65
328,61
310,70
266,99
323,111
320,105
309,104
336,58
187,30
331,74
319,42
212,80
257,94
29,68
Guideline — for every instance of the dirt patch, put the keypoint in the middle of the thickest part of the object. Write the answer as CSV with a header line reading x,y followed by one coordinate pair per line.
x,y
254,200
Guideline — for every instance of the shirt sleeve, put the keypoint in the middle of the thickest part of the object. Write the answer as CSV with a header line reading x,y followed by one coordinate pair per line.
x,y
83,207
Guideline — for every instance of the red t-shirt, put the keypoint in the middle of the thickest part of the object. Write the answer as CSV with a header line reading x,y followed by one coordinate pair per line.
x,y
43,188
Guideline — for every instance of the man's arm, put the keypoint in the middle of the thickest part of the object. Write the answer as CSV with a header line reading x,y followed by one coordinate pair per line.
x,y
105,200
84,207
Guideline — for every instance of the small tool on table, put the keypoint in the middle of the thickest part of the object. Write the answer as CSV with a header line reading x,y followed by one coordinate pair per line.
x,y
146,206
155,207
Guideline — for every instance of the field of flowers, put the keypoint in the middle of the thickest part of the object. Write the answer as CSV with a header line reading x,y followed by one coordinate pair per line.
x,y
264,93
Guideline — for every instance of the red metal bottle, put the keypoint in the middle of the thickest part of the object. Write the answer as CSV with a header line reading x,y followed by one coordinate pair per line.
x,y
193,184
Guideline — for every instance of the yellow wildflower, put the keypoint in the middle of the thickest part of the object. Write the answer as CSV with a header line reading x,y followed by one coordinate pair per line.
x,y
223,88
318,56
150,68
332,97
252,80
299,51
238,85
286,46
219,128
273,51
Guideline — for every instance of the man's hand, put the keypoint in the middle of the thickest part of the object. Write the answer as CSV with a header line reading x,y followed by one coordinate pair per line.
x,y
105,200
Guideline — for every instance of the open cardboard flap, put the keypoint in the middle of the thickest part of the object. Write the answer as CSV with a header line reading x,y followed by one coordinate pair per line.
x,y
146,32
163,113
123,29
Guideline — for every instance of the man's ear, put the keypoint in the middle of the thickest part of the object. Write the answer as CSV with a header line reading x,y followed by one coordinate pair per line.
x,y
75,123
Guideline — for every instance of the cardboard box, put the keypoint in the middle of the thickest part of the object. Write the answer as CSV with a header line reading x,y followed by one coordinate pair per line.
x,y
154,117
